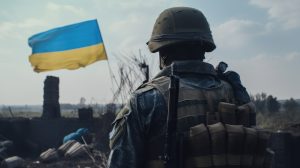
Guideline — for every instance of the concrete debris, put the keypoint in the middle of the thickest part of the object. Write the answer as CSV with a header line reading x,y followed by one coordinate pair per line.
x,y
65,147
49,155
76,150
6,148
13,162
71,149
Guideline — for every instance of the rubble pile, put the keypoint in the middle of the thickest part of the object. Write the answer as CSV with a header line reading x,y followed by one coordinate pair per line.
x,y
13,162
70,154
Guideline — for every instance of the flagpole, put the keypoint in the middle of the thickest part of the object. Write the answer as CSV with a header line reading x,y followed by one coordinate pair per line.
x,y
111,74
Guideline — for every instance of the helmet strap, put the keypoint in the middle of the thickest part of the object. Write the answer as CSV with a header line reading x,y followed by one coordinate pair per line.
x,y
162,61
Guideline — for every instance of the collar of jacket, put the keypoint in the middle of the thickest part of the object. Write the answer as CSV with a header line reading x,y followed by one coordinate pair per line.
x,y
188,67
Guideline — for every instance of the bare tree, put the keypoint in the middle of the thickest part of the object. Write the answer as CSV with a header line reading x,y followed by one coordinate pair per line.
x,y
133,70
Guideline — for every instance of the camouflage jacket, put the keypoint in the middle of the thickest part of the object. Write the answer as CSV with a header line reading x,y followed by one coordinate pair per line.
x,y
141,123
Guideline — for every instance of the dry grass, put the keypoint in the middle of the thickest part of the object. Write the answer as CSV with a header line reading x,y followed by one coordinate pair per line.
x,y
65,114
277,121
20,114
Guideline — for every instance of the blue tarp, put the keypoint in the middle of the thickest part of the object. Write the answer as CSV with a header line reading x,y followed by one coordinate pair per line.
x,y
76,135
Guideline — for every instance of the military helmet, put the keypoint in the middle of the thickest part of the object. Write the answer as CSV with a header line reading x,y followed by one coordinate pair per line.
x,y
181,24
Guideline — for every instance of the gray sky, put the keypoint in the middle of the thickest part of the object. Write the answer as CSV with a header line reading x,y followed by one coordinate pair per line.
x,y
257,38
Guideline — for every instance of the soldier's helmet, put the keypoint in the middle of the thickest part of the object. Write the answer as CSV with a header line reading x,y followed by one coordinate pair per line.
x,y
181,24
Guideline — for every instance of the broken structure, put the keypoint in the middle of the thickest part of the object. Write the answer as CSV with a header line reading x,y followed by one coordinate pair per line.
x,y
51,107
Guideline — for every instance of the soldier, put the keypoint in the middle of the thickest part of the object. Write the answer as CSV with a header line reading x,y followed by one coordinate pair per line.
x,y
181,35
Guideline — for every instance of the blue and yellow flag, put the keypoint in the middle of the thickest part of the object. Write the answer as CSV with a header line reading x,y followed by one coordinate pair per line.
x,y
68,47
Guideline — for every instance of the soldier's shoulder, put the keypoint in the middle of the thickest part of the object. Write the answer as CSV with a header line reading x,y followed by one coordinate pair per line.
x,y
143,89
226,83
152,85
148,95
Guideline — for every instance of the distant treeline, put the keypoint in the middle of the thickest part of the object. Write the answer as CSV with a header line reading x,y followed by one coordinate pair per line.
x,y
65,107
270,104
276,114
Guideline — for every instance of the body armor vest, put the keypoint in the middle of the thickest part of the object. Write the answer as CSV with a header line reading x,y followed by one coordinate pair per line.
x,y
195,106
208,121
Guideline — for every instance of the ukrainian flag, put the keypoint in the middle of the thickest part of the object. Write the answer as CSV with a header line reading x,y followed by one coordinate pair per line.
x,y
68,47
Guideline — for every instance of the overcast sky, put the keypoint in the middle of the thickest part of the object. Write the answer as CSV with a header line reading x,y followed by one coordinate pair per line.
x,y
257,38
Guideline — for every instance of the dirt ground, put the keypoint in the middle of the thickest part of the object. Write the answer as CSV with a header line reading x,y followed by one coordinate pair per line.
x,y
100,161
83,162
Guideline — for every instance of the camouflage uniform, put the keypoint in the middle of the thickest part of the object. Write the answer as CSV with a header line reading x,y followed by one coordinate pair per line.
x,y
137,136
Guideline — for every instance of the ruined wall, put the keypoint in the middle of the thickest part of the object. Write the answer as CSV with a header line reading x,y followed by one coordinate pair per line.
x,y
51,107
32,136
50,133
